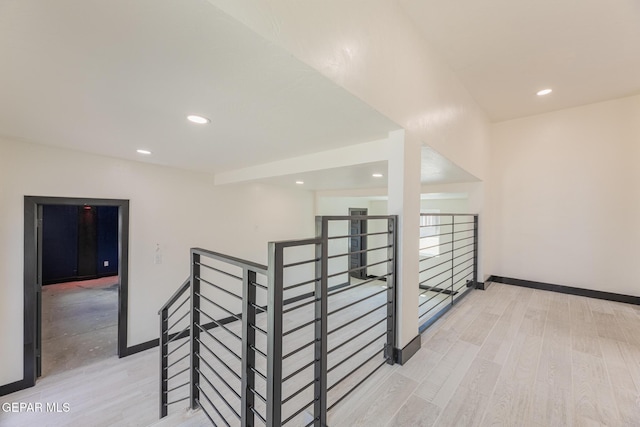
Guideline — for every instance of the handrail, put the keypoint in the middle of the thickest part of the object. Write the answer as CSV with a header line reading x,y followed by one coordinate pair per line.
x,y
177,294
239,262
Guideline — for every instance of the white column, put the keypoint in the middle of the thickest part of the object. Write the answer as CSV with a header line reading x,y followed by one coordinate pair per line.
x,y
404,201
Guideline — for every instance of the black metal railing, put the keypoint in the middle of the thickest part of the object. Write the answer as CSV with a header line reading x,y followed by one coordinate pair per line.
x,y
284,345
228,313
333,320
448,262
174,351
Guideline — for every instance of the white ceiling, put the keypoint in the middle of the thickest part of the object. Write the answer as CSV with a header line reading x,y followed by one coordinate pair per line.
x,y
110,77
504,51
113,76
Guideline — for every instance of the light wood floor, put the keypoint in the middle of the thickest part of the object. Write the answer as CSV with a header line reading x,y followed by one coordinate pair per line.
x,y
506,356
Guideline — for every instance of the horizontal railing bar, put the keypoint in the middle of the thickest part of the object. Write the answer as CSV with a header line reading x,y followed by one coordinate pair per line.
x,y
176,401
207,413
260,352
301,305
258,395
425,214
297,371
357,351
259,285
219,360
355,369
295,264
297,285
466,253
299,391
357,385
358,235
301,242
173,298
220,325
448,233
446,301
217,270
186,300
357,335
218,287
176,361
358,252
258,268
235,316
178,347
258,329
202,392
434,266
436,225
450,242
233,390
178,321
177,387
434,276
298,412
257,307
464,269
355,217
178,335
366,282
357,302
299,349
176,374
217,392
437,293
447,252
258,414
356,319
260,374
297,328
218,341
357,268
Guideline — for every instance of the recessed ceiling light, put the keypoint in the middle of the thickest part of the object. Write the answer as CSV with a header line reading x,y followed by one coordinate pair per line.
x,y
377,175
143,152
299,182
198,119
544,92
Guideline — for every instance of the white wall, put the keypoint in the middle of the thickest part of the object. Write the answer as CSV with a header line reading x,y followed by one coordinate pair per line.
x,y
565,197
174,208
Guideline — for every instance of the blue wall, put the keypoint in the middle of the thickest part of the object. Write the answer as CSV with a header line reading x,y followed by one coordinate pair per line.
x,y
60,242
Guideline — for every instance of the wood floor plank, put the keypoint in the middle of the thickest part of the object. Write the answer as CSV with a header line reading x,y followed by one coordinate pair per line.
x,y
416,412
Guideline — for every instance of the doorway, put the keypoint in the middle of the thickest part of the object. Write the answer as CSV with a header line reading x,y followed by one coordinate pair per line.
x,y
83,264
358,244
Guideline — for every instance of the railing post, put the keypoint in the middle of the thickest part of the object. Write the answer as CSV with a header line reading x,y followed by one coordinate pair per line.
x,y
164,337
321,298
475,251
453,245
194,333
392,241
274,332
248,343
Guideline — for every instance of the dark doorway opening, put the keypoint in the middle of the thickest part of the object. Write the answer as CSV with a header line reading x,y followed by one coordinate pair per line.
x,y
358,244
85,264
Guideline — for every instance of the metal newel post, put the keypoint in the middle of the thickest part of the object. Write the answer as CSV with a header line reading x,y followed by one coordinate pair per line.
x,y
392,241
321,298
475,251
248,343
274,336
194,331
453,236
164,337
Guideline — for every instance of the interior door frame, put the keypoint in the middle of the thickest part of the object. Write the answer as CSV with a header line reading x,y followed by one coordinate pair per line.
x,y
33,275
